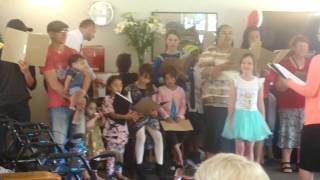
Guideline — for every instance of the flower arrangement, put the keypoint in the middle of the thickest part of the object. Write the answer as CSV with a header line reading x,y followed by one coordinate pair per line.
x,y
141,33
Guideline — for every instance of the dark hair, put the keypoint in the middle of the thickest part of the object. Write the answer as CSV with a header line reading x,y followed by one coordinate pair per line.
x,y
57,26
86,23
174,32
123,62
220,28
110,80
74,58
253,61
169,70
245,39
146,69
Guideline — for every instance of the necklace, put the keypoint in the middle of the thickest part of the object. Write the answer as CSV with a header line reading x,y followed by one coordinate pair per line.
x,y
296,63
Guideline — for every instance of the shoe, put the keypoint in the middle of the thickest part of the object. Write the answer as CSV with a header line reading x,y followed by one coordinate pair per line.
x,y
286,167
140,172
161,172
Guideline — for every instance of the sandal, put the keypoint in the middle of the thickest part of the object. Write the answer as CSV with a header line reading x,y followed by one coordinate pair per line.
x,y
286,167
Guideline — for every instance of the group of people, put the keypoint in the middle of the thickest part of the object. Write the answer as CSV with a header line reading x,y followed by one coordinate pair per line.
x,y
228,102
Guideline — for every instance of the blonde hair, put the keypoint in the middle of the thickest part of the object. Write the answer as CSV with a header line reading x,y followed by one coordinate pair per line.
x,y
226,166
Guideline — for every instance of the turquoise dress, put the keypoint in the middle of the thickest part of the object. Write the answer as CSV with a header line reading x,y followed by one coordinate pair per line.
x,y
248,123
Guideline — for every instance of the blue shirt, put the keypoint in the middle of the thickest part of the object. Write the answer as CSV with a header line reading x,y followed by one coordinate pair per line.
x,y
77,78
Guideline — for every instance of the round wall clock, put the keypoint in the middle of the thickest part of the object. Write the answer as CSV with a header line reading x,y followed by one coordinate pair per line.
x,y
101,12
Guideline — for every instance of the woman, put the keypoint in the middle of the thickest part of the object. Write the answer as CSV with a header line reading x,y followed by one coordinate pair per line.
x,y
310,147
215,88
251,38
172,40
291,104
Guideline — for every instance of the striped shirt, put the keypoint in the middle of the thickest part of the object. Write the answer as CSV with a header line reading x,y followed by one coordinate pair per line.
x,y
215,92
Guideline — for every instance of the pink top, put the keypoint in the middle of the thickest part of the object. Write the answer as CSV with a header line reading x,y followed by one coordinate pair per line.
x,y
311,92
167,95
58,62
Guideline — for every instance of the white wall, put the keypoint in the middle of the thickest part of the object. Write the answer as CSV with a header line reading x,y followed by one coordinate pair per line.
x,y
37,13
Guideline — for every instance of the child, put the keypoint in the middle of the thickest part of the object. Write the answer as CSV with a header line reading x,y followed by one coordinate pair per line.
x,y
123,63
174,110
115,132
139,89
74,82
93,132
245,122
94,142
228,166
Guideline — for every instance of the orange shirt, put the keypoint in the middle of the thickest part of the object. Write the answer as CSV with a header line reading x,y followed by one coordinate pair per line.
x,y
311,92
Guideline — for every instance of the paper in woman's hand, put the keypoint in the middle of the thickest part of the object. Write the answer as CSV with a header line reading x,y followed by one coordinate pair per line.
x,y
285,73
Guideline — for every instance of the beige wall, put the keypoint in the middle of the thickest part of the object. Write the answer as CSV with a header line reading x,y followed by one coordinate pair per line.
x,y
37,14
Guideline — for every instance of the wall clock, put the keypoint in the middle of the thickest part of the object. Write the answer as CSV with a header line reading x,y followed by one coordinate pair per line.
x,y
101,12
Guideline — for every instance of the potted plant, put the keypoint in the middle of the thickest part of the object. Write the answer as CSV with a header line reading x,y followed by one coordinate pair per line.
x,y
141,32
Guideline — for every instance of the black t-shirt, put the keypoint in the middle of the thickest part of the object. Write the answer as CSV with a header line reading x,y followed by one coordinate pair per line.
x,y
128,78
13,87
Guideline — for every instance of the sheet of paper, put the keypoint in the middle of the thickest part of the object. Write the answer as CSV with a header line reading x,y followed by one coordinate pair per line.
x,y
286,73
237,53
15,45
37,48
145,105
280,55
182,65
183,125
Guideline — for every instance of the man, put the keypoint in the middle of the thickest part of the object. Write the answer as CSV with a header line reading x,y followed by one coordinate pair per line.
x,y
54,71
86,31
75,38
15,80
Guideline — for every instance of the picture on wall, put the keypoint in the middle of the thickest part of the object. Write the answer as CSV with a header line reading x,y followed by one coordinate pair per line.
x,y
197,28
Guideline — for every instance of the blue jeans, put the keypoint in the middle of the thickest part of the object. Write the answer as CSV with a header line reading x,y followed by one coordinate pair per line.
x,y
61,126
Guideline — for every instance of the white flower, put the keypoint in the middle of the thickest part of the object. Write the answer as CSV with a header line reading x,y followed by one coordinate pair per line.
x,y
120,27
152,27
161,29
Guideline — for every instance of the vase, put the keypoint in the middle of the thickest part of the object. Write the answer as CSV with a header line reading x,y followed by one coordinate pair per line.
x,y
144,56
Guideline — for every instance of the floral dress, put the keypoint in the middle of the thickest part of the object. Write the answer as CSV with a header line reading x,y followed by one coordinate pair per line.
x,y
137,94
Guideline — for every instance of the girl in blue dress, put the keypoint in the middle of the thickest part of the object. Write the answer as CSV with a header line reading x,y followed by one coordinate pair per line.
x,y
246,115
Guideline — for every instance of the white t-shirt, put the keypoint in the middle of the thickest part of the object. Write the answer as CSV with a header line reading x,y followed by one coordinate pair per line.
x,y
74,39
247,93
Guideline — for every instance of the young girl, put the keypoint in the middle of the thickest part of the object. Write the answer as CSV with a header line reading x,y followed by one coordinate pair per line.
x,y
173,110
252,39
138,90
115,132
93,131
172,41
245,122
